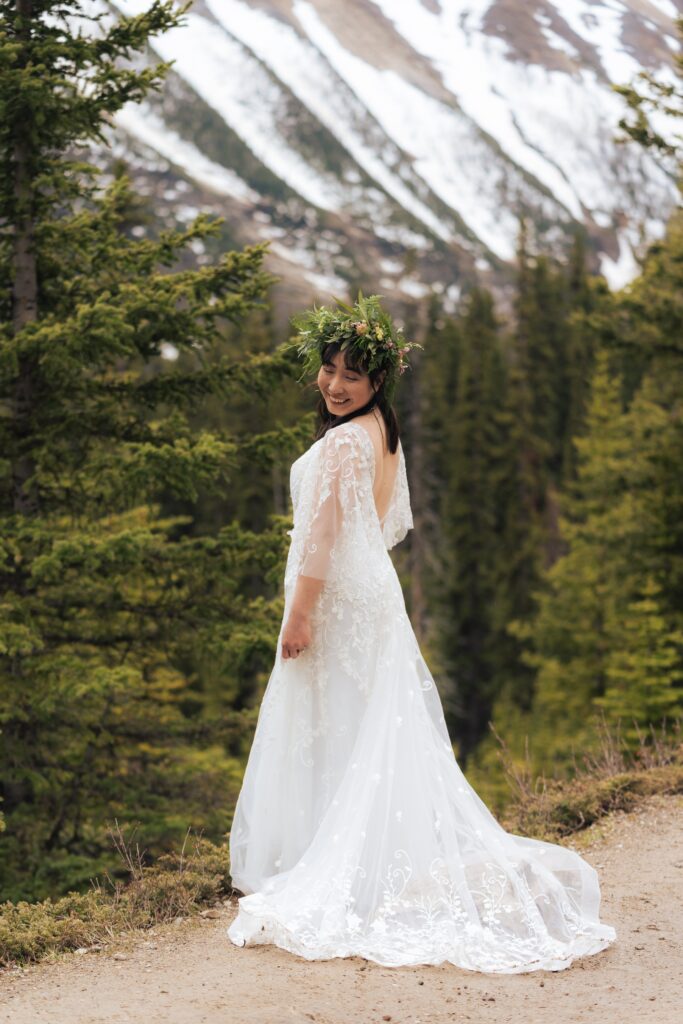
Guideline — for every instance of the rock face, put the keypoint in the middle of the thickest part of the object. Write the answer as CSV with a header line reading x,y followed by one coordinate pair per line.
x,y
395,143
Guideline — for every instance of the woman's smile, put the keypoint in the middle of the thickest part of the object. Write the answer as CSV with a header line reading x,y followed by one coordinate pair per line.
x,y
343,388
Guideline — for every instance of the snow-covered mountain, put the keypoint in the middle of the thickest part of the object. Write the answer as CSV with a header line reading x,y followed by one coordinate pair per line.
x,y
393,144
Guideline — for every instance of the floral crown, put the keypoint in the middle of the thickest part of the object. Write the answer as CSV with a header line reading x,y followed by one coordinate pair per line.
x,y
365,329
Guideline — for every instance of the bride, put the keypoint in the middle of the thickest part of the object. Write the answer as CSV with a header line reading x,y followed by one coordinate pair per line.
x,y
355,832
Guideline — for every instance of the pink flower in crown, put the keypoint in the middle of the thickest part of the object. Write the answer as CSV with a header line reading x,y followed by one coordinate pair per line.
x,y
389,343
361,328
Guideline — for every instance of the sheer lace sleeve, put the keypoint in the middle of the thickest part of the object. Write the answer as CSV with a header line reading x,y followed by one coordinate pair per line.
x,y
399,518
340,490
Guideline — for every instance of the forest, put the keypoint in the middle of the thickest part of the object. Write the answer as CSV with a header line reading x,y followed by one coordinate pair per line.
x,y
144,499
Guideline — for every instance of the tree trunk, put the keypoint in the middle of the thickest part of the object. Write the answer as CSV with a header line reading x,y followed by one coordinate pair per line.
x,y
24,288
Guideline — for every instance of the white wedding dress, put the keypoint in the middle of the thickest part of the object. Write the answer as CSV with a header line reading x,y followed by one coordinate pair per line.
x,y
355,832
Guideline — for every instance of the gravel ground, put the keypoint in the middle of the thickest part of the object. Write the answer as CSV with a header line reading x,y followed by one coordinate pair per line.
x,y
190,973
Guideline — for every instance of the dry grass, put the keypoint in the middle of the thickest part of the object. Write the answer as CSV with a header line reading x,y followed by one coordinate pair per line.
x,y
614,777
176,885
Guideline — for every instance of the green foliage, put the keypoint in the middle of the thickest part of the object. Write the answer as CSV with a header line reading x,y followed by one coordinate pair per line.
x,y
644,664
114,599
466,384
501,404
554,350
607,634
593,638
571,628
43,107
647,95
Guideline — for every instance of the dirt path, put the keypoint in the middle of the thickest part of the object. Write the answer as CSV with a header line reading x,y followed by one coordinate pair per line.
x,y
192,974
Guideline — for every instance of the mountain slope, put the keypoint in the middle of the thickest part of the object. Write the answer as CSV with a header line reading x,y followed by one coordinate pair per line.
x,y
395,143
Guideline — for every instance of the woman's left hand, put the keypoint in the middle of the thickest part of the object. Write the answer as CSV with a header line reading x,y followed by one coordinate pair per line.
x,y
296,636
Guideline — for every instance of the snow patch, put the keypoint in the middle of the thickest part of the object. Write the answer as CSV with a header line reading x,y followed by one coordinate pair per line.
x,y
416,289
238,87
553,38
602,219
401,235
187,213
448,152
666,7
140,121
310,262
327,286
451,298
311,78
391,266
556,126
619,272
169,351
601,25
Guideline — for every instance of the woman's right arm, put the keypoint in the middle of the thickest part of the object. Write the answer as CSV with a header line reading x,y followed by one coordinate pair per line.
x,y
297,634
342,463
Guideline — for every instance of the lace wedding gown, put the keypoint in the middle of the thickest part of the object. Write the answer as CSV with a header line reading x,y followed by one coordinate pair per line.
x,y
355,832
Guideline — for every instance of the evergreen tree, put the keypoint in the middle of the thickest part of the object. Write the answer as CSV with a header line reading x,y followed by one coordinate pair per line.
x,y
468,546
644,667
663,97
586,296
439,380
554,347
570,637
107,598
538,339
605,633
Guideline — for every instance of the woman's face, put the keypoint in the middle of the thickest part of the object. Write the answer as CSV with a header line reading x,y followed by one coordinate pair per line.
x,y
344,390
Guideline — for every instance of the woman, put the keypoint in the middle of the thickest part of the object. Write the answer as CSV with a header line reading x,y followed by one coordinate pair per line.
x,y
355,832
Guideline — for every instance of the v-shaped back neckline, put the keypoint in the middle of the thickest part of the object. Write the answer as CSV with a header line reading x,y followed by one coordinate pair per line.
x,y
380,519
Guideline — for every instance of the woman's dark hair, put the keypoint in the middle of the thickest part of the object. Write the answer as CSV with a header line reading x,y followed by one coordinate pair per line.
x,y
327,420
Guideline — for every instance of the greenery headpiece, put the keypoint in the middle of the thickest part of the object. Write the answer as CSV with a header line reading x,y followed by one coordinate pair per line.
x,y
365,329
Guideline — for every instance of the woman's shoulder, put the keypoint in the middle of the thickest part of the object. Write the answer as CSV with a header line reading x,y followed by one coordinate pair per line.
x,y
349,440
